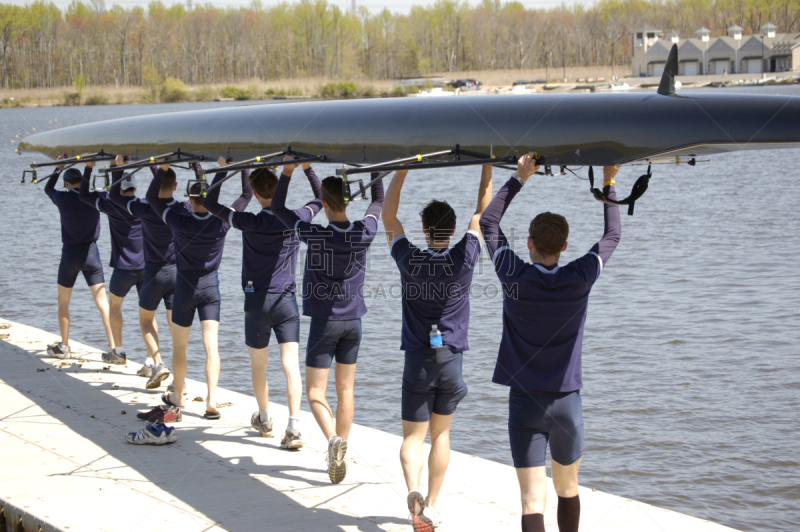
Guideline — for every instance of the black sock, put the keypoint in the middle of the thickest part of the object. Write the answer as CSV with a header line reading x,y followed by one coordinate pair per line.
x,y
569,513
533,523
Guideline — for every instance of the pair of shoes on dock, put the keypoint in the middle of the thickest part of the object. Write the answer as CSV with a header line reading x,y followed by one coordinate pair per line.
x,y
423,518
153,434
162,414
292,439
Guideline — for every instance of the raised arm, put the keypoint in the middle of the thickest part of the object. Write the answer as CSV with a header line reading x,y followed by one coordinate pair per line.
x,y
490,220
612,230
484,197
375,207
391,224
50,186
240,203
288,217
313,180
87,196
211,202
155,188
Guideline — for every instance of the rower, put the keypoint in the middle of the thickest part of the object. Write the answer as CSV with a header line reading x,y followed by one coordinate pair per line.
x,y
80,229
127,253
544,311
158,283
199,241
436,283
333,283
269,263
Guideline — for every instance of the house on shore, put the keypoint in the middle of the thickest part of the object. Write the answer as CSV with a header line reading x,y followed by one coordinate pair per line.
x,y
731,54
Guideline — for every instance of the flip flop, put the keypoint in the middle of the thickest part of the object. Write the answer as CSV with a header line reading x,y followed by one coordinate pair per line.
x,y
166,401
211,415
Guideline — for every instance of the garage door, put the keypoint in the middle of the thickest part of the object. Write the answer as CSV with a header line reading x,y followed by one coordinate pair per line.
x,y
754,66
690,69
720,67
658,70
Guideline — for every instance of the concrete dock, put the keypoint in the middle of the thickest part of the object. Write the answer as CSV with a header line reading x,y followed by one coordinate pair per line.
x,y
66,466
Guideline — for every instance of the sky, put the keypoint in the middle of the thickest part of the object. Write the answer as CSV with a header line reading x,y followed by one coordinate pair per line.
x,y
396,6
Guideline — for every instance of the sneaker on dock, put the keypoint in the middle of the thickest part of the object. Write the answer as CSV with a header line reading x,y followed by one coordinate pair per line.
x,y
416,503
337,467
263,427
144,416
145,371
167,414
291,440
158,375
153,434
430,520
59,350
113,356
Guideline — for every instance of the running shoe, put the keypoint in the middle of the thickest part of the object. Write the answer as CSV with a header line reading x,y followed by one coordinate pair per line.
x,y
337,467
263,427
150,413
416,503
112,356
59,350
430,520
145,371
153,434
158,375
291,440
169,414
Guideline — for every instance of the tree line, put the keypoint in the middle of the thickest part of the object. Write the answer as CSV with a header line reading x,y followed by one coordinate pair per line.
x,y
42,46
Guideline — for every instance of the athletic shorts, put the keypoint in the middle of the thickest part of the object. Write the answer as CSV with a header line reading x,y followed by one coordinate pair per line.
x,y
329,340
80,258
123,280
431,385
195,291
264,311
538,418
158,284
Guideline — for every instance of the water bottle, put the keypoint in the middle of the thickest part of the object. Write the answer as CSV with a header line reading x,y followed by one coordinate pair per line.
x,y
249,288
436,336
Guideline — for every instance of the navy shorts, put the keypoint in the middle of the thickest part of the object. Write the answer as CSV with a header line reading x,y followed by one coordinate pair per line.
x,y
195,291
330,339
536,418
431,384
158,284
80,258
264,311
123,280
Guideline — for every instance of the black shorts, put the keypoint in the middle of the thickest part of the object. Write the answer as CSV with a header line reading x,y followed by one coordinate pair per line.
x,y
195,291
264,312
80,258
538,418
123,280
329,340
431,385
158,284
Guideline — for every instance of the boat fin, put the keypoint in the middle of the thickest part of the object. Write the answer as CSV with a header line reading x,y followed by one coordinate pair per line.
x,y
667,85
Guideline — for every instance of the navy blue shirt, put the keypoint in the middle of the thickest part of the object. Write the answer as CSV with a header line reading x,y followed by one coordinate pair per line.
x,y
80,223
336,258
127,246
199,238
544,308
269,249
436,285
159,247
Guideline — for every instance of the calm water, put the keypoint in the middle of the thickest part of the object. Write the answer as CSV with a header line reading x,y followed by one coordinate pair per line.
x,y
692,346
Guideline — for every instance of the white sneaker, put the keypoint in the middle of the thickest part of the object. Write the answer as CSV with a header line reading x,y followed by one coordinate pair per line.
x,y
59,350
337,467
153,434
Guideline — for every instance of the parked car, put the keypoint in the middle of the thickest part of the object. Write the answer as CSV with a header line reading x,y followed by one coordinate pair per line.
x,y
466,84
520,82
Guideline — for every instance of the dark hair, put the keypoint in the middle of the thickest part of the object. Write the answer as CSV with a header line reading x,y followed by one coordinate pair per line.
x,y
195,190
169,180
264,181
438,220
72,176
332,193
549,233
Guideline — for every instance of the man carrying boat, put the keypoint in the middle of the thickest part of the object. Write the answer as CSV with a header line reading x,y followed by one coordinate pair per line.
x,y
80,229
199,241
158,283
127,253
436,283
333,282
269,263
544,311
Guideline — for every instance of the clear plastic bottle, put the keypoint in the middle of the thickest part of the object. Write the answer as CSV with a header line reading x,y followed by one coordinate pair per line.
x,y
436,336
249,288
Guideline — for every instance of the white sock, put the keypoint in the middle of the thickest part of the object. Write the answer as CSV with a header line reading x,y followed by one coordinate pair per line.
x,y
263,416
149,363
119,350
294,423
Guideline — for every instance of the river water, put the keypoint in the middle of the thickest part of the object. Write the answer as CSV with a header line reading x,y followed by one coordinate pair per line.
x,y
692,344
